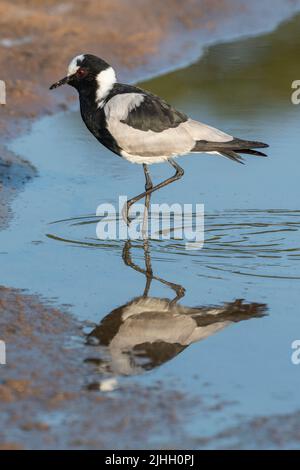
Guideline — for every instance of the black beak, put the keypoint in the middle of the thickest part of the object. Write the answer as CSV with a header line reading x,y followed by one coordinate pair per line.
x,y
61,82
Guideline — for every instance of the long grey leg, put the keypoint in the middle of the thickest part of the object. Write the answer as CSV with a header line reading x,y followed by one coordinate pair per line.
x,y
126,255
179,173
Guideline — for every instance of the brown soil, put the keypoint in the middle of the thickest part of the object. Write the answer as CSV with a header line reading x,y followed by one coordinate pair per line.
x,y
46,35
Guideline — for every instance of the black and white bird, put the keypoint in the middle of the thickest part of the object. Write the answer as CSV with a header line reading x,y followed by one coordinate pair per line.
x,y
148,331
141,127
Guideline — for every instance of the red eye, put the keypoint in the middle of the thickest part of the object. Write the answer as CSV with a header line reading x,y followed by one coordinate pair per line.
x,y
81,73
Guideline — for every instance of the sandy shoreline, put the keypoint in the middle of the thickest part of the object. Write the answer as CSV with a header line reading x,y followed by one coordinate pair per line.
x,y
38,41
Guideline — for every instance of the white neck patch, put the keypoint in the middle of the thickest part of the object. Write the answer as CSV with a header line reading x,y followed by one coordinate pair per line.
x,y
73,66
105,81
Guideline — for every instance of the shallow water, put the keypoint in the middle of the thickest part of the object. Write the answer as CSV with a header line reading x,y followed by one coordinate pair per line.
x,y
251,249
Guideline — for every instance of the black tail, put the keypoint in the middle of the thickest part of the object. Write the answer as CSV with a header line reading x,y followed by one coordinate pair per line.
x,y
232,148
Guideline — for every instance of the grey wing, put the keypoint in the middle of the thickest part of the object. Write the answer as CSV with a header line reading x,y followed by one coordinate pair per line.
x,y
144,125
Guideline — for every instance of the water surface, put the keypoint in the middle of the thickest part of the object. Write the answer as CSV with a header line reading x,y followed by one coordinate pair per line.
x,y
209,343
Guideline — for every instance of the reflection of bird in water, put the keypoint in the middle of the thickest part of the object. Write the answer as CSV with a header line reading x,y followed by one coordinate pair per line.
x,y
148,331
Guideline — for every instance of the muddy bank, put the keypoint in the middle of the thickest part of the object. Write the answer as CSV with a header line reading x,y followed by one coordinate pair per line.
x,y
48,390
140,38
38,39
14,174
266,432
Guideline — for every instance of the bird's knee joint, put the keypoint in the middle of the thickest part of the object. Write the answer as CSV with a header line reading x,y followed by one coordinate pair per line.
x,y
148,186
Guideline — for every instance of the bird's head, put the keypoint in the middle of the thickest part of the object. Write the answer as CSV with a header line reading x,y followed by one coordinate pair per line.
x,y
86,71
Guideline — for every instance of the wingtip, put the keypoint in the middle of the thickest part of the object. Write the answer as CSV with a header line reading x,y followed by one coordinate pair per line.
x,y
260,145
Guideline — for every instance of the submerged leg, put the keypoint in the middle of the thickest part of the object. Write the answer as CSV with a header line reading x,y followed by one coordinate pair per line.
x,y
179,173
